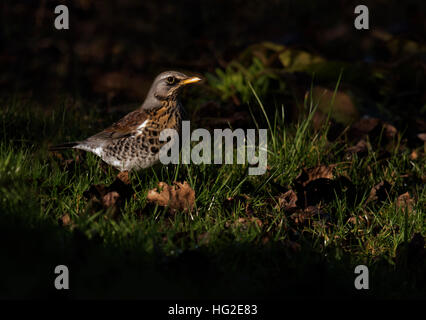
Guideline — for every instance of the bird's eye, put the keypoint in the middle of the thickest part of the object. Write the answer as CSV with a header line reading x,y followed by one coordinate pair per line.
x,y
170,80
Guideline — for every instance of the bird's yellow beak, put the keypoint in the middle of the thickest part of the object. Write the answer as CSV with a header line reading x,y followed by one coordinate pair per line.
x,y
190,80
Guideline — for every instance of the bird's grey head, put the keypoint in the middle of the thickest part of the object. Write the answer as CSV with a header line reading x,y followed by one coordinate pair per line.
x,y
166,86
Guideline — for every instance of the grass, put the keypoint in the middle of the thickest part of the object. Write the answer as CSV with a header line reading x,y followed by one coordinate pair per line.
x,y
217,251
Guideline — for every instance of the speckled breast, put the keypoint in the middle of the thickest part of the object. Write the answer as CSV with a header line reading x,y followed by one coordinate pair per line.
x,y
141,149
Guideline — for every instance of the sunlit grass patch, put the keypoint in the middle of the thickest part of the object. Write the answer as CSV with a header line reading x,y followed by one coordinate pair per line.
x,y
235,215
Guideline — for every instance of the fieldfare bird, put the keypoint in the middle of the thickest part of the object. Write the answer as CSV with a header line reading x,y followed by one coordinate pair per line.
x,y
133,143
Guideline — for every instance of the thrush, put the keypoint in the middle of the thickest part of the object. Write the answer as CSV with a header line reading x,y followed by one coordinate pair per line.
x,y
133,142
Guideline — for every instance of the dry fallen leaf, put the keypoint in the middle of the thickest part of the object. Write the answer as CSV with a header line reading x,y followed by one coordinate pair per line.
x,y
301,217
414,155
246,222
110,199
343,108
405,202
363,127
180,196
376,129
319,185
364,218
422,136
309,214
124,177
311,174
112,196
379,192
390,130
287,201
361,148
65,219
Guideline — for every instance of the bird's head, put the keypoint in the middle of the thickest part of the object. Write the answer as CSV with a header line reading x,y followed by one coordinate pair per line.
x,y
166,86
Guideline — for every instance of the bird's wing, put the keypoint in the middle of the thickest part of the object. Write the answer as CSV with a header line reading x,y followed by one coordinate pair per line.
x,y
126,126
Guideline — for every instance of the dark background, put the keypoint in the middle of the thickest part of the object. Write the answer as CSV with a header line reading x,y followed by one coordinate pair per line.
x,y
113,49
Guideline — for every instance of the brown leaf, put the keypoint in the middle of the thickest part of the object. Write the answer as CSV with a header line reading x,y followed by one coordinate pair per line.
x,y
246,222
422,136
363,127
110,199
376,129
390,131
320,172
96,192
112,196
354,220
366,218
405,202
360,148
65,219
318,186
414,155
124,177
287,201
301,217
177,197
379,192
343,110
307,215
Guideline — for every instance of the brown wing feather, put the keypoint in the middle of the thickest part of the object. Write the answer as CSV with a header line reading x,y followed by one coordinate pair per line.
x,y
123,127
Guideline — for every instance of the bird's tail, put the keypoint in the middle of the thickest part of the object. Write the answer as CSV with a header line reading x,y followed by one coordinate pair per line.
x,y
63,146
